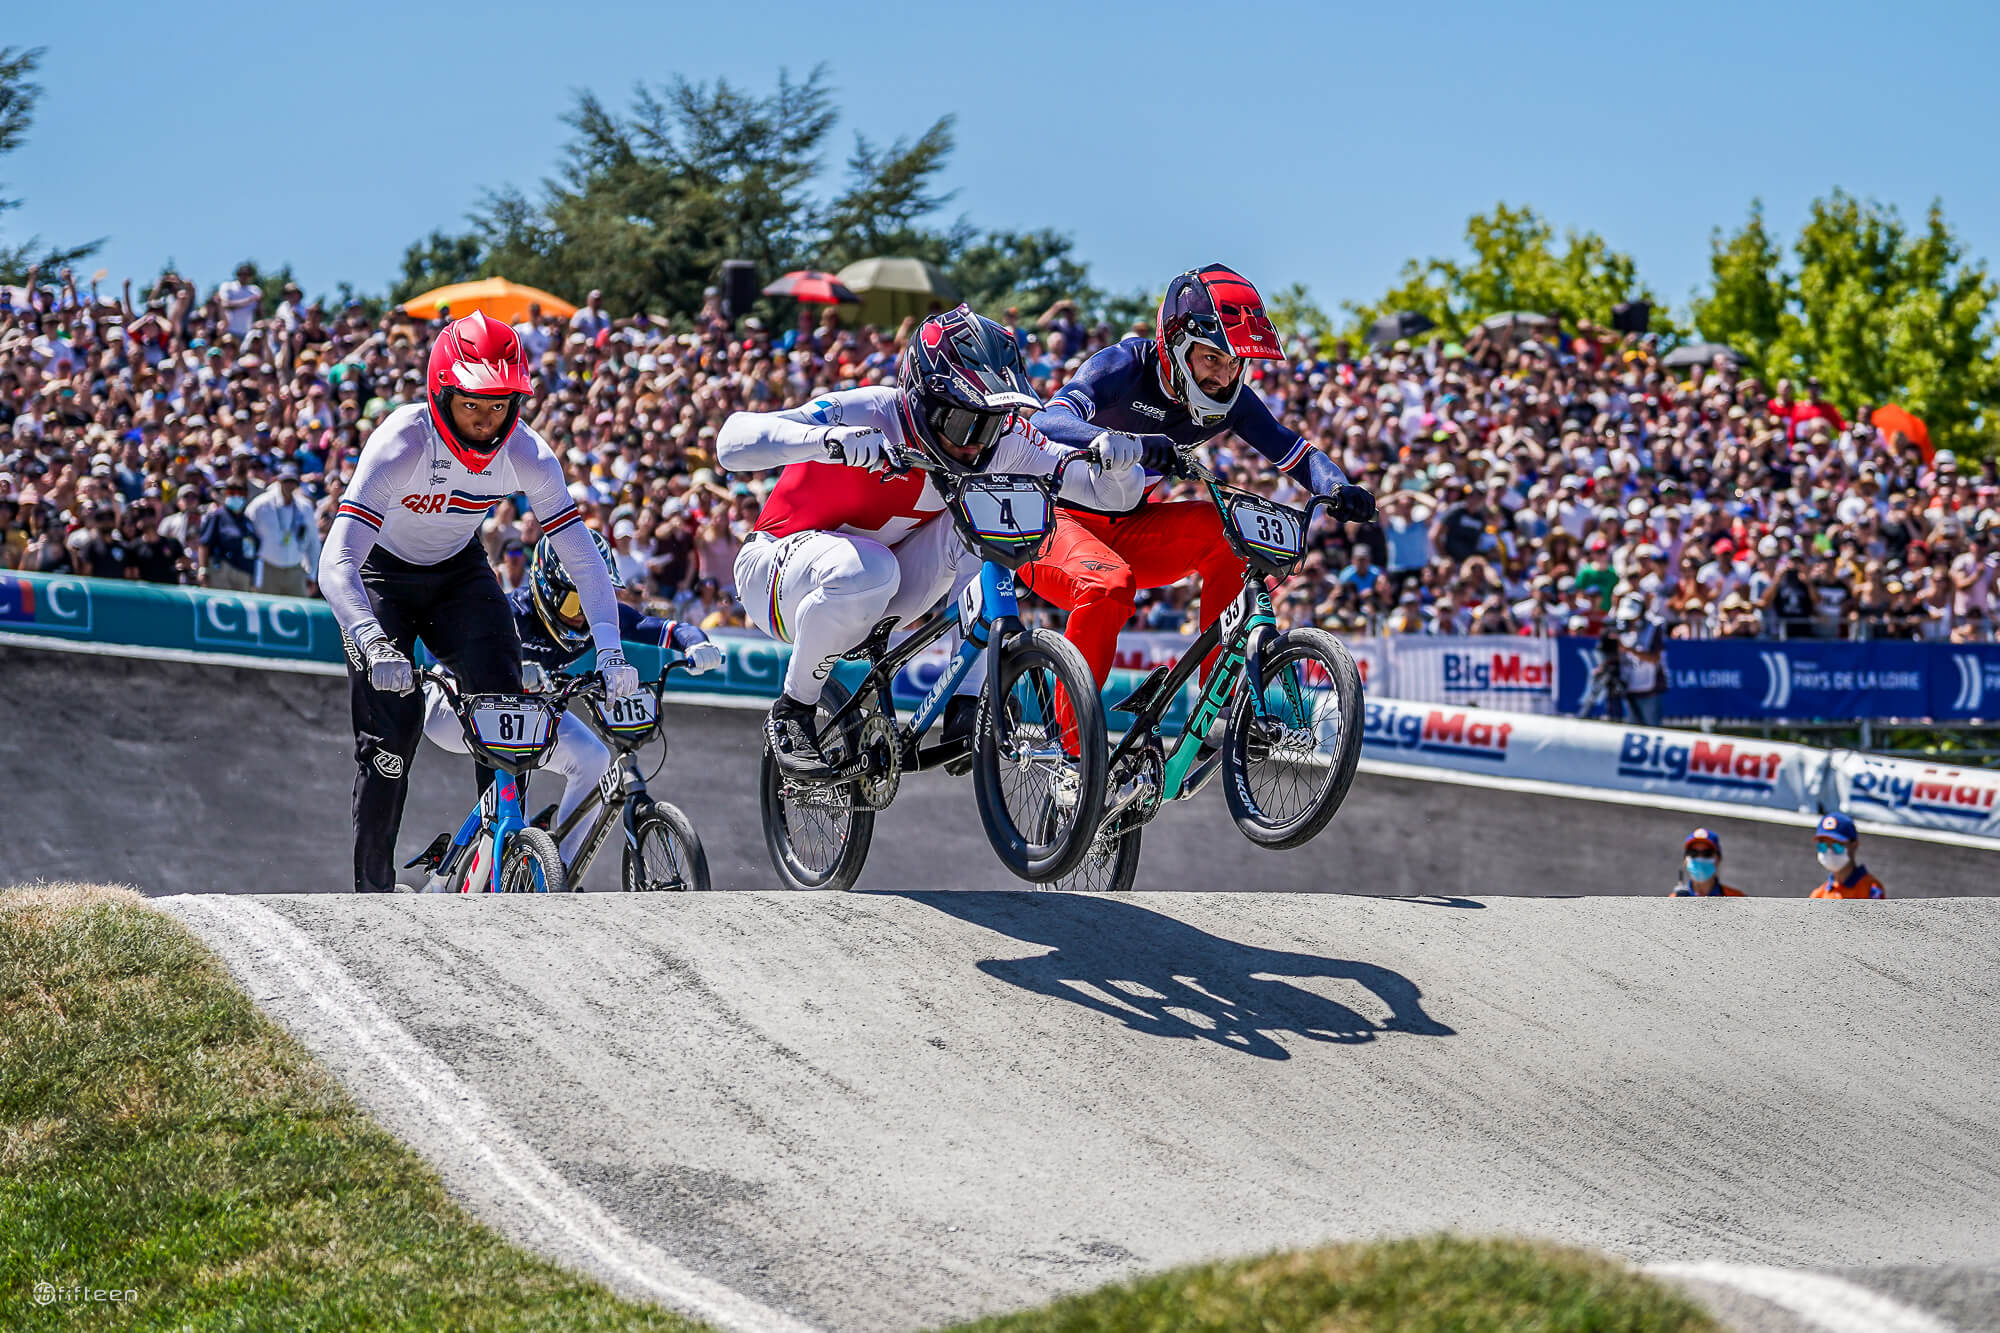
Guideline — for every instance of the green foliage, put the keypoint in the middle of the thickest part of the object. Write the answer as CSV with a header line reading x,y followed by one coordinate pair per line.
x,y
1295,314
1516,264
1876,310
651,200
18,94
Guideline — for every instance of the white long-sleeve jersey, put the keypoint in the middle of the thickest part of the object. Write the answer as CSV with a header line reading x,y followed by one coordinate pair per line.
x,y
815,495
411,496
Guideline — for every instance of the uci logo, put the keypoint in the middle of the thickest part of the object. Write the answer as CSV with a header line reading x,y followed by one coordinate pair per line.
x,y
424,504
236,621
46,603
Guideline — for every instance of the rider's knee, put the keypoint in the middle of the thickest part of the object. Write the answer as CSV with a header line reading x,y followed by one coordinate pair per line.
x,y
867,576
1112,585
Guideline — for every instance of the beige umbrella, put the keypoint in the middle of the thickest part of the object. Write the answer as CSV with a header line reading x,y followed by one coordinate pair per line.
x,y
891,289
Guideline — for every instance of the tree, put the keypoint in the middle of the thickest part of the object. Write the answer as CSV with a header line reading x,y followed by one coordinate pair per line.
x,y
436,261
18,94
1515,264
1876,311
1295,314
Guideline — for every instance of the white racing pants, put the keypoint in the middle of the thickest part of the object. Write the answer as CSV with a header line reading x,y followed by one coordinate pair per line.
x,y
822,592
578,756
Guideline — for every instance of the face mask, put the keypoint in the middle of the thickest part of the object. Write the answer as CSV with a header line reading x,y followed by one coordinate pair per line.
x,y
234,504
1832,855
1701,868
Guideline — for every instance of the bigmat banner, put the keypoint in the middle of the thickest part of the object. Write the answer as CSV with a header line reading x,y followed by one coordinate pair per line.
x,y
1729,769
1903,791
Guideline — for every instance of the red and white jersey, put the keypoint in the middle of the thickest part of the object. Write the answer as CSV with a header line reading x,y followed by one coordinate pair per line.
x,y
424,505
813,495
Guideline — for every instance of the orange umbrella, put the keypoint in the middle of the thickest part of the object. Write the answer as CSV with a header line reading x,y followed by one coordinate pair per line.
x,y
1892,418
503,300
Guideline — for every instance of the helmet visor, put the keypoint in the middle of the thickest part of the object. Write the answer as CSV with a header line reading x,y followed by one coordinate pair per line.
x,y
570,609
965,434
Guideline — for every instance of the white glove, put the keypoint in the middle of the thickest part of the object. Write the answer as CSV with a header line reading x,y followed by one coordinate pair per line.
x,y
703,658
388,670
534,678
1117,452
859,446
621,678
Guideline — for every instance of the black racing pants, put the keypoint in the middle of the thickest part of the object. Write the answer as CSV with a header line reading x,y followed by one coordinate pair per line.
x,y
457,609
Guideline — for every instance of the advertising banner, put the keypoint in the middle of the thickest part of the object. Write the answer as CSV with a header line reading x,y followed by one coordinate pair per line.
x,y
1729,769
1482,671
1906,791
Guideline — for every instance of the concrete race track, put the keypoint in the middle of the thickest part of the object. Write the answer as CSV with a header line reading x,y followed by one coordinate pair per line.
x,y
186,779
886,1110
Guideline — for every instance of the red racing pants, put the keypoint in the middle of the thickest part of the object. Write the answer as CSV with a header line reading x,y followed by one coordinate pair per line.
x,y
1094,564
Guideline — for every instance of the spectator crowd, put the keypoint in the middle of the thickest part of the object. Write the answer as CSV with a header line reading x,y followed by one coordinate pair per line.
x,y
1533,481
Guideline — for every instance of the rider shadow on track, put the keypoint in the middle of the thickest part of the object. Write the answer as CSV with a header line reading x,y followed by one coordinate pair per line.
x,y
1171,980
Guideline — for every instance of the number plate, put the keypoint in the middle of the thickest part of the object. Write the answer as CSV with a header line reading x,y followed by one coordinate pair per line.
x,y
635,712
970,603
519,728
1006,510
1269,528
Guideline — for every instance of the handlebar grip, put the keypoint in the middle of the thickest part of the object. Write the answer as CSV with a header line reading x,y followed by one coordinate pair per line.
x,y
1160,455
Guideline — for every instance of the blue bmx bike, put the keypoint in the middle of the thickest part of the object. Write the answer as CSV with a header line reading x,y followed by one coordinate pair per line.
x,y
496,849
1037,754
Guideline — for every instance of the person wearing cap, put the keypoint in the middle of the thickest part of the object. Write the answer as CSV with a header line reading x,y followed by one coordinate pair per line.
x,y
513,571
1836,843
226,546
287,531
1701,868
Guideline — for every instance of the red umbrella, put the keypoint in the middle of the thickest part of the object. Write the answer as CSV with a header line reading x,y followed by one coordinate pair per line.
x,y
1890,418
809,284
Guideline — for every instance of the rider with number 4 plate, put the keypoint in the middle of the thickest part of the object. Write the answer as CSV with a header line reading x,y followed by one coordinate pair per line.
x,y
1178,388
403,562
548,615
841,544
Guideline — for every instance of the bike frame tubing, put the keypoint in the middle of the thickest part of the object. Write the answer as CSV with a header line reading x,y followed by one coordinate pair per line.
x,y
498,813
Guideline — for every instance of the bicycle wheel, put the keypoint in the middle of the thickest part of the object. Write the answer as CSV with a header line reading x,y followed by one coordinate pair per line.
x,y
1110,866
669,857
818,836
1039,802
1284,777
530,864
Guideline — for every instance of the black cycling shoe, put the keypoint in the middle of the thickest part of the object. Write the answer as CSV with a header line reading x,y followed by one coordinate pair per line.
x,y
788,731
961,725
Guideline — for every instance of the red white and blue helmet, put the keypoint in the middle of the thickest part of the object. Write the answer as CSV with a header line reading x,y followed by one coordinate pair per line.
x,y
962,381
481,357
1218,307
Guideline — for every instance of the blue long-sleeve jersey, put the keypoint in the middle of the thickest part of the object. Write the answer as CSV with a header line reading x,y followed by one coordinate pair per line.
x,y
1119,389
540,647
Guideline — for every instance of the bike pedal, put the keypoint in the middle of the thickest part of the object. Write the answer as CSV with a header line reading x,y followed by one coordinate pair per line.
x,y
430,856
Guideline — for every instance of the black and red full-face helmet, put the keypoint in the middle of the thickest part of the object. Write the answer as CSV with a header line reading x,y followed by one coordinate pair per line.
x,y
962,381
482,358
1215,306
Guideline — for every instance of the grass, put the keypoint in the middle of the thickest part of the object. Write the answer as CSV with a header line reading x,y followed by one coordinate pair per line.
x,y
159,1135
1427,1284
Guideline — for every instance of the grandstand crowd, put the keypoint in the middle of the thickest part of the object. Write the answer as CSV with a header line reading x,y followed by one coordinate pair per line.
x,y
1532,481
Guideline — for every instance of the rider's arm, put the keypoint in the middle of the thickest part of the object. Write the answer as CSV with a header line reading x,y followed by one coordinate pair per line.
x,y
759,441
1109,376
1025,450
541,480
655,632
378,476
1289,451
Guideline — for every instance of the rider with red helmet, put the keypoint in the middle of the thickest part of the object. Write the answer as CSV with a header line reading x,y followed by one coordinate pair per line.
x,y
1175,389
403,561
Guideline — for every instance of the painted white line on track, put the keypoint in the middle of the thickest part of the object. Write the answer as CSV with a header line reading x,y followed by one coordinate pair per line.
x,y
263,947
1830,1303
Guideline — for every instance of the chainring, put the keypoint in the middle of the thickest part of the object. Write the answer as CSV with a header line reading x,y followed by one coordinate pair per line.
x,y
877,739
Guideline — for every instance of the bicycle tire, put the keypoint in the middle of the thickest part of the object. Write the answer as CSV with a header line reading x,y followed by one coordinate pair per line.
x,y
1344,682
845,867
674,830
1114,873
529,855
1036,861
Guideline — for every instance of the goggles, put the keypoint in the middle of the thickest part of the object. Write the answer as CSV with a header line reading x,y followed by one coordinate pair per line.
x,y
967,434
570,607
1831,849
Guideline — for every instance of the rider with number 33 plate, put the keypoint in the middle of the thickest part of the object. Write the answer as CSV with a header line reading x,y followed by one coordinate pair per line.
x,y
403,562
841,544
548,615
1180,387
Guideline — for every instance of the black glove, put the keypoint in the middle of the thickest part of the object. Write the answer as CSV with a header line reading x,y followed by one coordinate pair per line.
x,y
1158,454
1351,504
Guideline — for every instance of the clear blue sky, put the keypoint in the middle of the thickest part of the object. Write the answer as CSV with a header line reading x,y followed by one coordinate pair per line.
x,y
1323,143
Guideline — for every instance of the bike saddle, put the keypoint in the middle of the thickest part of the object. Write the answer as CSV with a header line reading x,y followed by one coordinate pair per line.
x,y
430,856
875,645
1145,694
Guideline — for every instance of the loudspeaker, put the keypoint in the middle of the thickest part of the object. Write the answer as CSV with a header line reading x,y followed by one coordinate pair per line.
x,y
739,287
1631,316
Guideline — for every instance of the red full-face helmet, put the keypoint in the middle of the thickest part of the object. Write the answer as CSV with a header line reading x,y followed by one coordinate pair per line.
x,y
1218,307
480,357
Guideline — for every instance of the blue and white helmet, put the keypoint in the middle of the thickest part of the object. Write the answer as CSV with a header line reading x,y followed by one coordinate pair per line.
x,y
962,381
553,592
